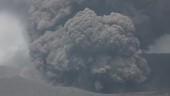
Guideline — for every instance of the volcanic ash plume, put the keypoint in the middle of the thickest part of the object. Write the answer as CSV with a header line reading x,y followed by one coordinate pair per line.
x,y
149,16
90,51
45,14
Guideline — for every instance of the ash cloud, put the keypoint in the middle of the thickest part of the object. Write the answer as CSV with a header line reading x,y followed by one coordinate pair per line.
x,y
62,43
52,46
146,15
90,50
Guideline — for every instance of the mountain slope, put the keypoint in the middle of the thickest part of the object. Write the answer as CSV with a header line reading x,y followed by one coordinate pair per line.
x,y
17,86
8,71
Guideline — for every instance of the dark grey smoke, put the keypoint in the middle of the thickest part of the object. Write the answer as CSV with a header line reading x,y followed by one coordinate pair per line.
x,y
95,51
89,51
150,17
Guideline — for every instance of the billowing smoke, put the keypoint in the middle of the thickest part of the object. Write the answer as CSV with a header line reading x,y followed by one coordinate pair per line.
x,y
96,48
149,16
90,51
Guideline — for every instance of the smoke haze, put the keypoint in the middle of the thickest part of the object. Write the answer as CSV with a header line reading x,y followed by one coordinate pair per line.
x,y
161,45
12,40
